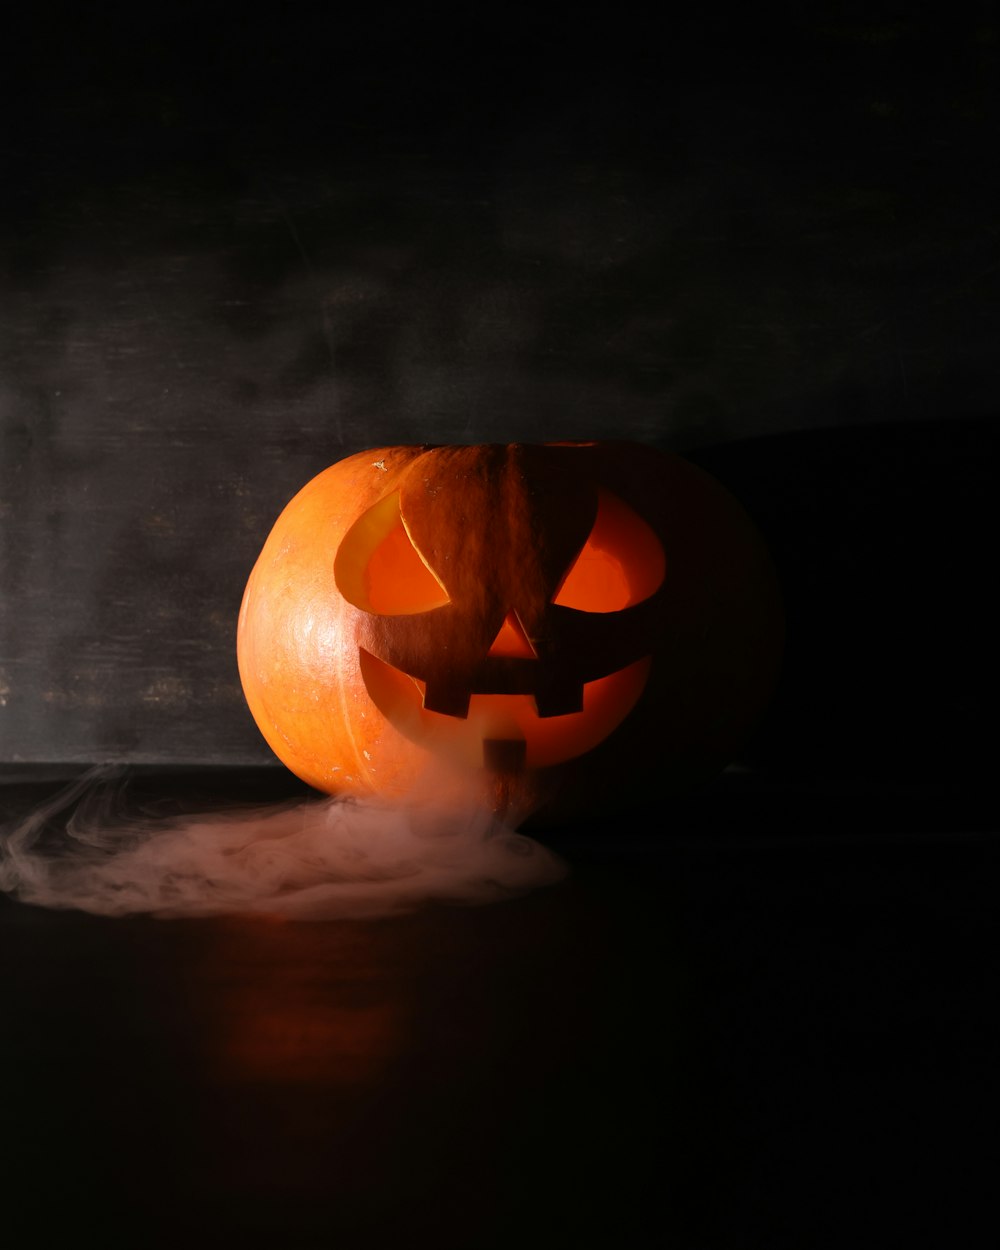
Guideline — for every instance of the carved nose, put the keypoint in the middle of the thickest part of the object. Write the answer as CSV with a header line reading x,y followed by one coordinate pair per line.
x,y
511,642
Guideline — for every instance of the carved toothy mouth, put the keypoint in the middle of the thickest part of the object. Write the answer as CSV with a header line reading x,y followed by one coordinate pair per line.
x,y
504,731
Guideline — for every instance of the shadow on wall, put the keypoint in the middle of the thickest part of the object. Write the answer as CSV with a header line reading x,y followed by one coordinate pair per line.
x,y
882,536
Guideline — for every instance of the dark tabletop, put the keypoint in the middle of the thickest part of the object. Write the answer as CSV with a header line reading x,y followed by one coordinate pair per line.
x,y
764,1015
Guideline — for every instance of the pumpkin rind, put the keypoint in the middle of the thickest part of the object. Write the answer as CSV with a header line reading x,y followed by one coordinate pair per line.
x,y
499,528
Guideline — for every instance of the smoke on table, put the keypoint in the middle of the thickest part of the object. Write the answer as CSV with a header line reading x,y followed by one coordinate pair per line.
x,y
315,859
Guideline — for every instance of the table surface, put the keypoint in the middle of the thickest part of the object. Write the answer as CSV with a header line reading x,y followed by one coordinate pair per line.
x,y
768,1020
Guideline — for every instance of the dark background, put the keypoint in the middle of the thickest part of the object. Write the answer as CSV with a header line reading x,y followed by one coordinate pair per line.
x,y
237,245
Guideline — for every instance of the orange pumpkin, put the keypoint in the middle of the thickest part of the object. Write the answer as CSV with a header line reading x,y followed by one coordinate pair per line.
x,y
572,618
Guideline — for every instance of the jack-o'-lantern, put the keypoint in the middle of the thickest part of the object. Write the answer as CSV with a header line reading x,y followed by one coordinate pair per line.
x,y
564,616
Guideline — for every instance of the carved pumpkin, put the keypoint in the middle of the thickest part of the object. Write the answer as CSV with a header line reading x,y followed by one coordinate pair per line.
x,y
529,615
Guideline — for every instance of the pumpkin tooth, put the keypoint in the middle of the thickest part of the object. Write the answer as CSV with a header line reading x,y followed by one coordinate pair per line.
x,y
504,755
448,700
559,699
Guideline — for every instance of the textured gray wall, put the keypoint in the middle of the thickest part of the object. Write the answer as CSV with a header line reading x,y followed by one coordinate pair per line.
x,y
232,255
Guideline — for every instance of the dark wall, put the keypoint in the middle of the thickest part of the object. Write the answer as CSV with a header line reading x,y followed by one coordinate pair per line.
x,y
232,253
883,538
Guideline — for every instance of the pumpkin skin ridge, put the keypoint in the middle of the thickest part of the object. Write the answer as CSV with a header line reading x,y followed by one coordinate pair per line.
x,y
365,758
290,749
323,724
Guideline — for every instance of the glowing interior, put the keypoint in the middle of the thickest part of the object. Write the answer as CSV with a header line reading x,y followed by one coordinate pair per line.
x,y
379,570
620,564
548,740
512,642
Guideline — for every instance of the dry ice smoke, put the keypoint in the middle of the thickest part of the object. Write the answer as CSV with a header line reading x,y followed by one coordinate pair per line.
x,y
324,858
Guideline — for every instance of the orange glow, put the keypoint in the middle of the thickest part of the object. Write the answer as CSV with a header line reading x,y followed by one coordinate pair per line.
x,y
548,740
511,641
620,564
397,579
283,1022
379,570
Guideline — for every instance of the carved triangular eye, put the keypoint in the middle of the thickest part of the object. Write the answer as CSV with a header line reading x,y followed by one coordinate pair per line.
x,y
379,570
621,563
